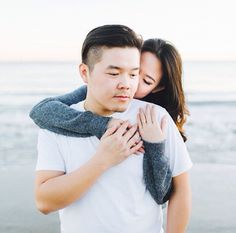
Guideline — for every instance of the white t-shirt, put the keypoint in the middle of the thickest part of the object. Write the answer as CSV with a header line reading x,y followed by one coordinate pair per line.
x,y
118,202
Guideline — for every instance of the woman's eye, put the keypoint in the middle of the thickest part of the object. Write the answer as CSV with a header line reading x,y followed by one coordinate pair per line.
x,y
147,82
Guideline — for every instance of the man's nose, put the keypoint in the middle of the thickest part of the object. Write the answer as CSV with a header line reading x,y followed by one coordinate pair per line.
x,y
124,82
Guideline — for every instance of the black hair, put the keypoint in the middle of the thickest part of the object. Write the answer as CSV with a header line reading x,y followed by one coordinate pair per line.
x,y
108,36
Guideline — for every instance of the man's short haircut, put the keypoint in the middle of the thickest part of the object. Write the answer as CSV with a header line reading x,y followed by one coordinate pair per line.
x,y
108,36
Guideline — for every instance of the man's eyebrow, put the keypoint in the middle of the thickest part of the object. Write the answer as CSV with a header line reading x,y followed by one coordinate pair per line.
x,y
113,67
151,78
137,68
119,68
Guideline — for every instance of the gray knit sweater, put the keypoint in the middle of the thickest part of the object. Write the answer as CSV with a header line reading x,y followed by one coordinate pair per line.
x,y
54,114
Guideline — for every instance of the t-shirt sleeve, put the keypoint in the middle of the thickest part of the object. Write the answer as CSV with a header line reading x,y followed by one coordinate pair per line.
x,y
175,148
49,155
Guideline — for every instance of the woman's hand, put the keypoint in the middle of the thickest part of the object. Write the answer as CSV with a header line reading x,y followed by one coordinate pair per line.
x,y
149,129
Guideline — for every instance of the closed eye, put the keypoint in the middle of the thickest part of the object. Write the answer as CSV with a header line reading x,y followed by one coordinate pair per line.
x,y
147,82
113,74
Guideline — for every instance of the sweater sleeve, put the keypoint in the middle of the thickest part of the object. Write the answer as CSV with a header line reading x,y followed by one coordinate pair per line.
x,y
54,114
157,173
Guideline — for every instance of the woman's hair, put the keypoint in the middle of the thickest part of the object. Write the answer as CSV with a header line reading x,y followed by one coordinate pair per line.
x,y
171,97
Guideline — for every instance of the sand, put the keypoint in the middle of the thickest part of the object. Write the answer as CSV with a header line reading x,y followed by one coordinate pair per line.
x,y
214,201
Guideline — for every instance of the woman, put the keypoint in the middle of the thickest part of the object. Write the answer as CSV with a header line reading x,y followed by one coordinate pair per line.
x,y
160,83
161,80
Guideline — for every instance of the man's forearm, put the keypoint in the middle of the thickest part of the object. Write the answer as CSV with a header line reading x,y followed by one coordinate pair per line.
x,y
62,190
179,206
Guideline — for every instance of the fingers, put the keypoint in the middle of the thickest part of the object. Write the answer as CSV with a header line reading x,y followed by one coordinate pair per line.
x,y
140,150
109,131
122,129
118,122
126,131
164,125
153,115
114,122
134,140
148,113
147,116
130,133
129,126
140,125
142,117
136,148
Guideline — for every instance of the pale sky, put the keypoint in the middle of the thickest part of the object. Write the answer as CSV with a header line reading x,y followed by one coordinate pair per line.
x,y
48,30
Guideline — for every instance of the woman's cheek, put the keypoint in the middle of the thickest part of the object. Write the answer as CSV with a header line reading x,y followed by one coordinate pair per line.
x,y
140,93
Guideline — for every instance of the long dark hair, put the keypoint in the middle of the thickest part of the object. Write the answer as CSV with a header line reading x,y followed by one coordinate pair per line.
x,y
171,97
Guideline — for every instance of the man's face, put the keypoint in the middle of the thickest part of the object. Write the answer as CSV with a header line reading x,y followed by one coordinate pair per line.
x,y
113,81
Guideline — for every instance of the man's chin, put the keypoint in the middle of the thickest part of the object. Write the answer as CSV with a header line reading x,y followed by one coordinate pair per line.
x,y
121,108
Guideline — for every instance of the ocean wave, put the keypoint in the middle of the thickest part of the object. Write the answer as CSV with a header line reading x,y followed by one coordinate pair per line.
x,y
211,102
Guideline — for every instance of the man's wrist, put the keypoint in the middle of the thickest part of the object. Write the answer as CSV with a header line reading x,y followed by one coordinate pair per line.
x,y
99,161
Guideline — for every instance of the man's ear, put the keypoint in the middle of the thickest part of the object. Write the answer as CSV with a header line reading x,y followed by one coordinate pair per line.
x,y
84,72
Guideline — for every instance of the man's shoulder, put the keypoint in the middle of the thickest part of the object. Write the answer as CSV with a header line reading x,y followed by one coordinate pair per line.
x,y
79,106
49,135
135,103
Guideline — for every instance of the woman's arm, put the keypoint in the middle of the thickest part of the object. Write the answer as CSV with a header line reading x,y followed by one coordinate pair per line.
x,y
55,115
157,173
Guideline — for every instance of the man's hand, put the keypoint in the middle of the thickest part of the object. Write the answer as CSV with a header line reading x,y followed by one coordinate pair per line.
x,y
118,143
149,128
113,122
117,123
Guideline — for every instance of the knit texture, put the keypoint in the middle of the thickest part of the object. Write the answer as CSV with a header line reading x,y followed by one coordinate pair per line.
x,y
156,172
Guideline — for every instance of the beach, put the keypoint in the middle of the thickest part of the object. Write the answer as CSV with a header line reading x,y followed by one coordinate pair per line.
x,y
211,132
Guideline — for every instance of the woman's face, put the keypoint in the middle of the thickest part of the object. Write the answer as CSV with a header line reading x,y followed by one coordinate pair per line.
x,y
149,76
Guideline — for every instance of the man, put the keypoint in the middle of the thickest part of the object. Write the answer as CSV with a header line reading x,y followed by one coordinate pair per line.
x,y
98,185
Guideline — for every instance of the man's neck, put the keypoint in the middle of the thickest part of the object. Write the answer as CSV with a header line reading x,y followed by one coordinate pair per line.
x,y
97,109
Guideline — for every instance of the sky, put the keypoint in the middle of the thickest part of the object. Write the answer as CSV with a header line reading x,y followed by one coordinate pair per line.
x,y
54,30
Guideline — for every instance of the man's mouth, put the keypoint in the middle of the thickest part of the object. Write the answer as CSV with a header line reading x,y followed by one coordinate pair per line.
x,y
122,97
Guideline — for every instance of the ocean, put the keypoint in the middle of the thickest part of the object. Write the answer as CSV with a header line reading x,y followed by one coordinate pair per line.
x,y
210,89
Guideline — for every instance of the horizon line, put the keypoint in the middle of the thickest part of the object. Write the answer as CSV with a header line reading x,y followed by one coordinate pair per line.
x,y
77,61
